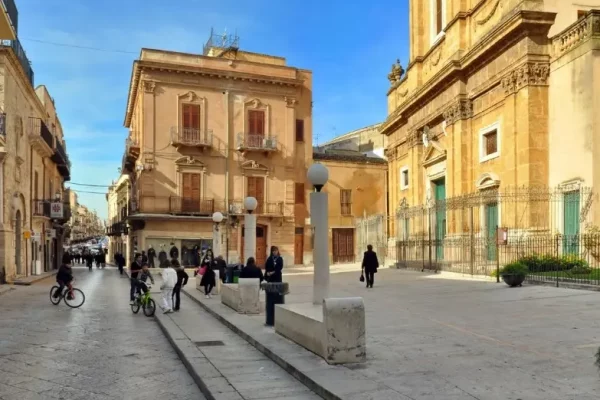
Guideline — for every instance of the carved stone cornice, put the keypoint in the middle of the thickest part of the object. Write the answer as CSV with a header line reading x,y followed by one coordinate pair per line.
x,y
414,138
528,74
462,109
290,102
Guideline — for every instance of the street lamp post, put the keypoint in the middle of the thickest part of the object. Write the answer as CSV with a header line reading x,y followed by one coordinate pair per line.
x,y
319,217
217,217
250,205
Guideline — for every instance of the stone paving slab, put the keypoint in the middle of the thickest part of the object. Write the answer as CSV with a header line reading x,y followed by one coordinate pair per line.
x,y
431,337
28,280
232,371
5,289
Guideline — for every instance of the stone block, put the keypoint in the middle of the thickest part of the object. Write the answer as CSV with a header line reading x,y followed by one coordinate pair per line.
x,y
230,295
243,297
345,330
302,324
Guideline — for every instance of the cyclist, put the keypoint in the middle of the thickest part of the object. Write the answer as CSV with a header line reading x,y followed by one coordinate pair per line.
x,y
64,277
143,277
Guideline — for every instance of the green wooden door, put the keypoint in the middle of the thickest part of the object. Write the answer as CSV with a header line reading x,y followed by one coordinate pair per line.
x,y
571,223
440,217
491,225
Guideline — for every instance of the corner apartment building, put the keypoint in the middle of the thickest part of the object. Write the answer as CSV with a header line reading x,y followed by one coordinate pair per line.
x,y
33,163
206,131
472,143
118,206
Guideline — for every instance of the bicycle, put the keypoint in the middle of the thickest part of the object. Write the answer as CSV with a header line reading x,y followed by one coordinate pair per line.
x,y
144,301
76,296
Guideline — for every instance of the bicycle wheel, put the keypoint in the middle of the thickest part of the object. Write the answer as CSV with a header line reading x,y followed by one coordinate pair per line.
x,y
77,300
135,307
54,300
150,308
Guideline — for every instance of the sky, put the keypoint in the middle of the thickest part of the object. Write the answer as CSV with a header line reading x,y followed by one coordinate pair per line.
x,y
349,45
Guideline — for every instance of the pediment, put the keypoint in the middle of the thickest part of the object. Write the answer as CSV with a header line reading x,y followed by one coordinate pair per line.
x,y
433,154
255,103
189,161
189,96
253,165
487,180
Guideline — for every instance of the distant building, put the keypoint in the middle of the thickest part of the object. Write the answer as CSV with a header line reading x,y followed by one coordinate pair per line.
x,y
368,141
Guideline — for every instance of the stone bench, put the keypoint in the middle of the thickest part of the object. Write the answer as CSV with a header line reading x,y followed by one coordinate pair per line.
x,y
336,331
216,289
243,297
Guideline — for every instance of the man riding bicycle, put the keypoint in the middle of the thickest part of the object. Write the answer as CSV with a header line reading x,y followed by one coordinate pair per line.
x,y
64,277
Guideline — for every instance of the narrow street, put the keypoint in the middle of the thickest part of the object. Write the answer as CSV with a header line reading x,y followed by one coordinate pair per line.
x,y
99,351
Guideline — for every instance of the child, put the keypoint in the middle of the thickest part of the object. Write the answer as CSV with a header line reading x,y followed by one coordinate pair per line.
x,y
169,280
144,275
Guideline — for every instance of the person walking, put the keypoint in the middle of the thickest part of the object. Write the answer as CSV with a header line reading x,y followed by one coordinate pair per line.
x,y
274,266
208,277
151,256
182,280
221,266
370,265
134,271
169,277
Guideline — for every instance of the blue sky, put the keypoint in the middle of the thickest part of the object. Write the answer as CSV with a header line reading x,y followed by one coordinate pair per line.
x,y
349,46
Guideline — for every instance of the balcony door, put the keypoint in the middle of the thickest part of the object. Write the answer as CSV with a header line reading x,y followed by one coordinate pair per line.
x,y
191,123
256,188
256,128
190,199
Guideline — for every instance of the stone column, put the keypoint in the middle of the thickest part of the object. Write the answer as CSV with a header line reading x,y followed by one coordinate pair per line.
x,y
249,236
216,240
319,218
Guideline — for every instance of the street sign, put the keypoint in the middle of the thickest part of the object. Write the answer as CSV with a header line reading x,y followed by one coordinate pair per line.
x,y
27,235
56,210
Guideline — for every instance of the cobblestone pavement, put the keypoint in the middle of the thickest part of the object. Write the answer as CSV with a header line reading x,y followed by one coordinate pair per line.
x,y
98,352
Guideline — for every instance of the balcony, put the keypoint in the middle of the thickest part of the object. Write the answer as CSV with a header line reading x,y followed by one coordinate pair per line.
x,y
15,45
43,209
176,205
132,153
273,209
9,20
117,229
256,143
61,160
40,137
189,137
2,127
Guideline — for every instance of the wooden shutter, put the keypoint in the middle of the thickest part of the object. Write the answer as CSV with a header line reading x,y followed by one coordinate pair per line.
x,y
438,14
256,122
299,193
256,189
346,201
35,186
190,201
491,142
299,130
191,116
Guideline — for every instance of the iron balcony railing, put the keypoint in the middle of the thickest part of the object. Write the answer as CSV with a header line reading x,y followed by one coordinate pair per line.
x,y
275,208
20,53
191,137
176,205
41,208
38,127
256,142
13,13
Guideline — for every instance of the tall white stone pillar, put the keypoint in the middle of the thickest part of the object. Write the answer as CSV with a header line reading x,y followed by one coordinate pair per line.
x,y
249,229
319,217
216,247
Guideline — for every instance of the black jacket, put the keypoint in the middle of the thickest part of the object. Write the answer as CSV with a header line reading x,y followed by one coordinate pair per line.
x,y
370,262
182,277
274,264
252,272
135,269
64,274
174,252
151,254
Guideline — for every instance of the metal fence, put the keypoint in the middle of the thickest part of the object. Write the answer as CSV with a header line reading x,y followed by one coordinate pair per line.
x,y
461,234
372,230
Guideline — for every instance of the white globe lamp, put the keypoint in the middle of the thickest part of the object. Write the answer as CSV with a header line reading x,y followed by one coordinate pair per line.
x,y
318,176
250,204
217,217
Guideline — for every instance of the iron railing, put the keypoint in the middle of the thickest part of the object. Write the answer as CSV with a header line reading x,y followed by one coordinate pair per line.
x,y
15,45
191,137
13,13
256,142
274,208
176,205
37,126
40,208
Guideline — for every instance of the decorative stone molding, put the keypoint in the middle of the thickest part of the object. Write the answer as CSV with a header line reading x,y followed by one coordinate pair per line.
x,y
253,166
189,161
414,138
462,109
529,74
189,97
489,16
396,74
149,86
487,180
290,102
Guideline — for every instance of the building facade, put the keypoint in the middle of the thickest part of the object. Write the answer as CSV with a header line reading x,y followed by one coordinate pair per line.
x,y
357,188
118,210
368,141
33,164
206,131
468,126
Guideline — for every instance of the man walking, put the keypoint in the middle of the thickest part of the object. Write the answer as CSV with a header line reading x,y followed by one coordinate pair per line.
x,y
370,265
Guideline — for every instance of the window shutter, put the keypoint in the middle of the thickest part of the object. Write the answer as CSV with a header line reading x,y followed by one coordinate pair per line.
x,y
299,197
299,130
256,122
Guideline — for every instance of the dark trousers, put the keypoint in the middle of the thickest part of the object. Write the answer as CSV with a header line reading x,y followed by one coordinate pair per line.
x,y
121,269
132,289
176,297
208,288
151,262
370,275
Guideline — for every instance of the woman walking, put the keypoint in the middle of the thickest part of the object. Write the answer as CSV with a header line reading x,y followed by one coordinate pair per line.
x,y
208,280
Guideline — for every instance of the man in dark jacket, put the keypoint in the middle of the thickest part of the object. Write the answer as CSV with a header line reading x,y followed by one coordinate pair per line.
x,y
134,271
221,266
370,265
252,271
274,266
182,280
